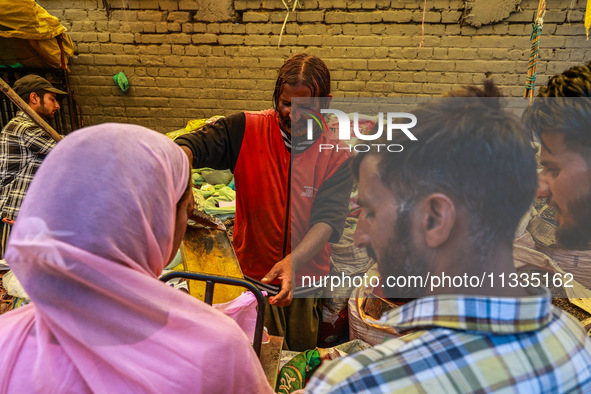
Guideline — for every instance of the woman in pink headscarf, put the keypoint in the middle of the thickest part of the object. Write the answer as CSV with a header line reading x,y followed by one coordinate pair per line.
x,y
103,216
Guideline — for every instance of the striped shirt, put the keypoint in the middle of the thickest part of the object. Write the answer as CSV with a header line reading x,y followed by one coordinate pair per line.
x,y
469,344
23,145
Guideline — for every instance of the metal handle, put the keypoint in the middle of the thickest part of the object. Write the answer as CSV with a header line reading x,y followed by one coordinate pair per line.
x,y
211,281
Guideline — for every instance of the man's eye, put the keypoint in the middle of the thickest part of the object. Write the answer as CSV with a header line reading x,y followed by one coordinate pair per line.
x,y
550,171
553,172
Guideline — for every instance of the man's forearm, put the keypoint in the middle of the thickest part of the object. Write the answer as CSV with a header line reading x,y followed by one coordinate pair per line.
x,y
314,240
189,153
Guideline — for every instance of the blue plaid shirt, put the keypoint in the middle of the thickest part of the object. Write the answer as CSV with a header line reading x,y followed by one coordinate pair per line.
x,y
469,344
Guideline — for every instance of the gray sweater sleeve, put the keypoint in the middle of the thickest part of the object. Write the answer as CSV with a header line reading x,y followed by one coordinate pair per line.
x,y
332,201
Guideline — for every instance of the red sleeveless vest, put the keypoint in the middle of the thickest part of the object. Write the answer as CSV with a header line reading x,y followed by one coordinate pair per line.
x,y
272,214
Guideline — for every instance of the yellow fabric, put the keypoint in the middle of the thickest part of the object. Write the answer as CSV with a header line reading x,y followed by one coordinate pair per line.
x,y
192,125
50,50
26,20
588,18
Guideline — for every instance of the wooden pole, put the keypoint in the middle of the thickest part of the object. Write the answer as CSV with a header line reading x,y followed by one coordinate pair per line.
x,y
530,84
11,94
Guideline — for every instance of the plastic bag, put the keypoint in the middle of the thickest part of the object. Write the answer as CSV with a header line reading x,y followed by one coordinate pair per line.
x,y
13,286
243,310
212,204
192,125
215,177
121,81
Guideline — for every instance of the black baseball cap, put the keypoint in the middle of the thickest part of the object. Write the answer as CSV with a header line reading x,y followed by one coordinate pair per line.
x,y
32,83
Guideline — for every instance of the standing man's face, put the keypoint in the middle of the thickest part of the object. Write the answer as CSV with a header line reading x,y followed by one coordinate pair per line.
x,y
566,180
382,229
284,105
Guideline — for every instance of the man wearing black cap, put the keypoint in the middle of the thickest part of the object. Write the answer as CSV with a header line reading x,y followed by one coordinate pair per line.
x,y
23,145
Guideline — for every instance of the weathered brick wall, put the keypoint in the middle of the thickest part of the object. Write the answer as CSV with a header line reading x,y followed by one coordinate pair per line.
x,y
196,58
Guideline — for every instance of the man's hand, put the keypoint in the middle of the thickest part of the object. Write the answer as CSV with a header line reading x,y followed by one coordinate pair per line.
x,y
189,154
281,271
313,242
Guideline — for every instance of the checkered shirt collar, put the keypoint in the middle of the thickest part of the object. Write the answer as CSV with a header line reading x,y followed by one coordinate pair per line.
x,y
23,114
497,315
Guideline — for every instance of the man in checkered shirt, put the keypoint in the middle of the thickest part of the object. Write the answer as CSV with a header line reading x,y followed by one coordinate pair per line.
x,y
23,145
449,205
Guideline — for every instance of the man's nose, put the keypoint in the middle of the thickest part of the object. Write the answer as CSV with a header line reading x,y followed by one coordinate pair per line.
x,y
296,116
543,186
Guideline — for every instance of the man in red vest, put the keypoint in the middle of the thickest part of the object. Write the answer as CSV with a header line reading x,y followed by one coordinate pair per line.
x,y
288,208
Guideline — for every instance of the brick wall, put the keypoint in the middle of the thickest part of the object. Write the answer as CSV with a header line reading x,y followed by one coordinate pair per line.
x,y
196,58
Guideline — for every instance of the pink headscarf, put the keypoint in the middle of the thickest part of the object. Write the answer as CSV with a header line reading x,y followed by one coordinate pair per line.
x,y
93,234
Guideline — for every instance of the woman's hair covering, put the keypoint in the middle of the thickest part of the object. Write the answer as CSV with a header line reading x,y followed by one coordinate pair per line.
x,y
93,235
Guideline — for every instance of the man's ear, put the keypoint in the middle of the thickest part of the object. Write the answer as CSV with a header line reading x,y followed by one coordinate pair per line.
x,y
438,216
34,99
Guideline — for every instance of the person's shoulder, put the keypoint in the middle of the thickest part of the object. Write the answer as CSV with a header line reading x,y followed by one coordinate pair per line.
x,y
267,113
19,123
23,123
260,121
370,362
569,324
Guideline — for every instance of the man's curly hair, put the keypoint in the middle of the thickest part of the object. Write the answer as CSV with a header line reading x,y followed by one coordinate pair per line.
x,y
564,106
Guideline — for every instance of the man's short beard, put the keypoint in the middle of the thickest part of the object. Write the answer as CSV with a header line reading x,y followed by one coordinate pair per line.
x,y
401,257
284,123
578,236
45,114
371,253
